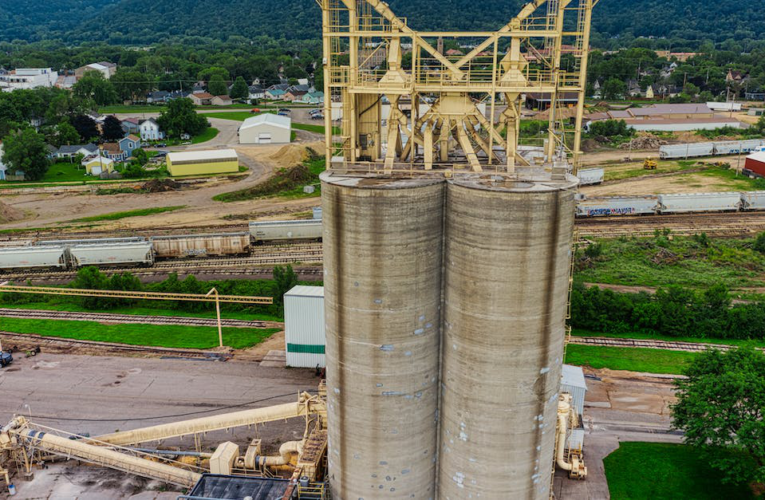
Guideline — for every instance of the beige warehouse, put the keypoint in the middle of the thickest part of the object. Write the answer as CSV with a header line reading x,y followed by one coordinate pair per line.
x,y
266,129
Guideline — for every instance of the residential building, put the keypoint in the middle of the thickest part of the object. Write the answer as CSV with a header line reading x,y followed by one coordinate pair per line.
x,y
257,92
221,100
275,94
69,152
735,77
149,130
312,98
159,96
28,78
221,161
294,95
113,151
279,86
201,98
131,125
266,128
106,68
96,165
454,52
129,144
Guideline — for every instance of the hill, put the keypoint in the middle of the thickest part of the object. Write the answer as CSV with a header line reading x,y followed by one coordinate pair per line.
x,y
151,21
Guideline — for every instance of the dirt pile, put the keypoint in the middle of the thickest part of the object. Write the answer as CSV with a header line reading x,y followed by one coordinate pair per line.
x,y
648,141
161,186
9,214
590,145
294,154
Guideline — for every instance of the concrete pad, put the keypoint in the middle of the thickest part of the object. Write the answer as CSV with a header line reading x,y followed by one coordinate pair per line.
x,y
275,359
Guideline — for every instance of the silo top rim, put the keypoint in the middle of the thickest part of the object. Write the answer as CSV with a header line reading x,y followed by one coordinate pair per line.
x,y
524,184
379,181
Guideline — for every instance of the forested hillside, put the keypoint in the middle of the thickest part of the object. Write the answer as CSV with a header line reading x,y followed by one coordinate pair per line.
x,y
617,22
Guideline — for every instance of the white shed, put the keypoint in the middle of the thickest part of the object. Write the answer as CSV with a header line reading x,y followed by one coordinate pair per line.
x,y
573,382
305,337
267,128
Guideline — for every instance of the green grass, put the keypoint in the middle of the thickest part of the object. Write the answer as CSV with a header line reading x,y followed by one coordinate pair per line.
x,y
65,172
618,172
646,336
187,337
145,311
143,212
650,262
209,134
630,359
734,181
661,471
123,109
238,116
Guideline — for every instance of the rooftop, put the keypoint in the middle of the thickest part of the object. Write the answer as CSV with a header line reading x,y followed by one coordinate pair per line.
x,y
268,118
306,291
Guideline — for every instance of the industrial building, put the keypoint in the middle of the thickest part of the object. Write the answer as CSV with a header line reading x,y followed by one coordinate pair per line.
x,y
755,163
219,161
266,128
668,118
305,338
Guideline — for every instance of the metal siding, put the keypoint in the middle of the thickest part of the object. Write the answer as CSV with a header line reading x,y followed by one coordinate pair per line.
x,y
304,325
205,245
712,202
623,205
576,439
591,176
687,150
287,230
33,257
137,253
754,200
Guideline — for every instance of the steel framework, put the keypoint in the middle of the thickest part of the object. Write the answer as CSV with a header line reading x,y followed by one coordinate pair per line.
x,y
402,103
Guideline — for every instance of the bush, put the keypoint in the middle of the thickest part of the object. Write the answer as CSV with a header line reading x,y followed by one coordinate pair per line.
x,y
759,243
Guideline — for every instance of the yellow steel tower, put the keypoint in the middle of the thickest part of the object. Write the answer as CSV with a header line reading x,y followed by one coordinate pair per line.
x,y
395,100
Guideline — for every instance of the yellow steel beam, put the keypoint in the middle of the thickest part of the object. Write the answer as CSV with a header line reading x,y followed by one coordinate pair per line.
x,y
116,294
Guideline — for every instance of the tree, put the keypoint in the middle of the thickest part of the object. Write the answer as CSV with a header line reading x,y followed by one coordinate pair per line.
x,y
25,150
112,129
141,157
720,408
240,90
614,89
94,86
132,85
285,279
66,134
759,127
217,86
180,118
207,74
86,127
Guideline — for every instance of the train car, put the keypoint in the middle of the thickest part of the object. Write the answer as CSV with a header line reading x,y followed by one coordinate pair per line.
x,y
690,150
737,147
90,241
42,258
137,253
617,205
202,245
699,202
285,230
591,176
753,200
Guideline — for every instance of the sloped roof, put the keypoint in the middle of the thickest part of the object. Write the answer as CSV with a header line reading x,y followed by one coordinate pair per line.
x,y
267,118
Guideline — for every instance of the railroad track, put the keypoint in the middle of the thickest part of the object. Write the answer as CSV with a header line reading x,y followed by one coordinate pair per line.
x,y
20,342
665,345
134,319
717,224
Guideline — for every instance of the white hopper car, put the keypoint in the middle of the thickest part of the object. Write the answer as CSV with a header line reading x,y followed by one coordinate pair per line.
x,y
285,230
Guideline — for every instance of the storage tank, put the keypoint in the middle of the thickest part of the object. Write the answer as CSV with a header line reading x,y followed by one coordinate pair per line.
x,y
382,288
506,283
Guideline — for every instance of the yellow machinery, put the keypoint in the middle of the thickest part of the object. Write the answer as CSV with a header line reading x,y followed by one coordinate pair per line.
x,y
567,459
650,164
402,103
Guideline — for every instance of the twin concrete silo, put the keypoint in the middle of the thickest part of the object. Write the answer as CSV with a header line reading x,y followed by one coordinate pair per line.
x,y
459,285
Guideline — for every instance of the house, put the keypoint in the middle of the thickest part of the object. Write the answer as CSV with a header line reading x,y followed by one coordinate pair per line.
x,y
294,95
219,161
69,152
279,86
201,98
221,100
454,52
266,129
131,125
275,95
149,130
312,98
650,93
257,92
113,151
158,96
735,77
96,165
28,78
177,94
129,144
104,67
52,150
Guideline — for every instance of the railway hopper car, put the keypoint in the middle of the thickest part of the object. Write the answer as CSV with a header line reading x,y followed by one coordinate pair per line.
x,y
690,150
617,205
699,202
137,253
591,176
262,232
736,147
41,258
753,200
90,241
203,245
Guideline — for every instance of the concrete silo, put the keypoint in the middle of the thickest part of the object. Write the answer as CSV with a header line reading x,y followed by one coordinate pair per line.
x,y
382,259
506,280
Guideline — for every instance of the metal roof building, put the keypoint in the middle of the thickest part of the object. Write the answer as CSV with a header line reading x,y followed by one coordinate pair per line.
x,y
213,486
219,161
266,128
305,337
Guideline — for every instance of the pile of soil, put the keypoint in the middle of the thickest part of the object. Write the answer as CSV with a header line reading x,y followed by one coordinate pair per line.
x,y
161,186
9,214
294,154
647,141
590,145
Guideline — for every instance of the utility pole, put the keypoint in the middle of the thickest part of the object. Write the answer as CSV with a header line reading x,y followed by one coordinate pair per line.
x,y
217,312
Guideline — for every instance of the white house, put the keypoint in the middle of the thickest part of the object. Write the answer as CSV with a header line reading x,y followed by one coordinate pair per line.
x,y
150,131
257,92
28,78
266,129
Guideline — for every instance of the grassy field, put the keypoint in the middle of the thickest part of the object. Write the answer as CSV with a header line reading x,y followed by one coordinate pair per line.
x,y
188,337
630,359
131,213
618,172
238,116
65,172
684,261
146,311
660,471
209,134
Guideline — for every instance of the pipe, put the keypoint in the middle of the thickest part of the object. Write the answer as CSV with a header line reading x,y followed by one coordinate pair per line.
x,y
563,411
206,424
109,458
286,451
173,452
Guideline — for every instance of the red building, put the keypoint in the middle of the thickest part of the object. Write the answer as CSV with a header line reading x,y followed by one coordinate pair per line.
x,y
756,163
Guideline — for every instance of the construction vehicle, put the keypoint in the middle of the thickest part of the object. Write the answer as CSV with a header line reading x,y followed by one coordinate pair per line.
x,y
650,164
6,358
